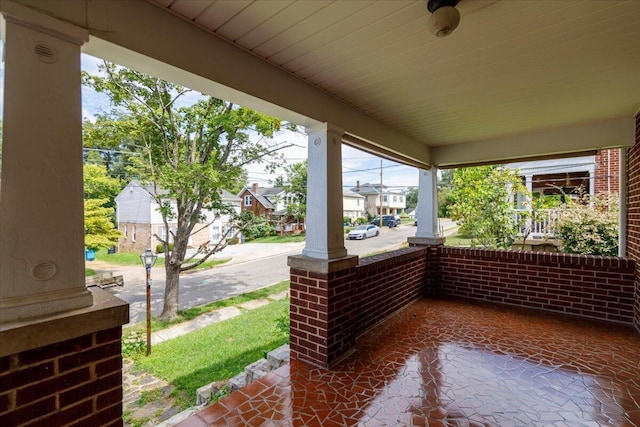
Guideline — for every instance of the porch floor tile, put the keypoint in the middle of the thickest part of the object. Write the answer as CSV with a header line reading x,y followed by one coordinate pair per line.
x,y
456,363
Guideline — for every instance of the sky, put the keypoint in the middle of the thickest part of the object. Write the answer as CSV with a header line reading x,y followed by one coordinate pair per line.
x,y
356,165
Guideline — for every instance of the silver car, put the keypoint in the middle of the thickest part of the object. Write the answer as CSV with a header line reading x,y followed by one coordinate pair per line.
x,y
363,231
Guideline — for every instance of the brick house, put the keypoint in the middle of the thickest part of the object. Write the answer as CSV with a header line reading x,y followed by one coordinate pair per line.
x,y
140,223
262,201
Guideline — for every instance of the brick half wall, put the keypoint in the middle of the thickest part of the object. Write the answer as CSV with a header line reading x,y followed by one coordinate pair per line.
x,y
588,286
388,282
75,382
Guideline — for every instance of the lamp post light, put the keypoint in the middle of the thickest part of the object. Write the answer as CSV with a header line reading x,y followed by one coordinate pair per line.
x,y
148,259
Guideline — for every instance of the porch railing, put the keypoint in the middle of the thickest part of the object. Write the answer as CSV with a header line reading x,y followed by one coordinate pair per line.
x,y
541,224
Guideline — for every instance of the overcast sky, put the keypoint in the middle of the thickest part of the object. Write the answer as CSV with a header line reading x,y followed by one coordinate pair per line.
x,y
356,165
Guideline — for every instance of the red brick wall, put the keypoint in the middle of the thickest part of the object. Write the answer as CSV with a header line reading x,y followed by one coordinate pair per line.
x,y
322,315
589,286
76,383
388,282
633,212
607,171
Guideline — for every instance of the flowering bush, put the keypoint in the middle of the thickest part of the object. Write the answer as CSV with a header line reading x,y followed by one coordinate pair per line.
x,y
589,226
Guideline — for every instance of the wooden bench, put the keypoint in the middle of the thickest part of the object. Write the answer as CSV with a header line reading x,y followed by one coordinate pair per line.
x,y
105,280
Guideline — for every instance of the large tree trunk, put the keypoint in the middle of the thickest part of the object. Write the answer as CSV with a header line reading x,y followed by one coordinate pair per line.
x,y
172,265
171,290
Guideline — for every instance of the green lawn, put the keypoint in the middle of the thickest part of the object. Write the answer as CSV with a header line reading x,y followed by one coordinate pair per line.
x,y
129,258
457,240
287,238
216,352
119,258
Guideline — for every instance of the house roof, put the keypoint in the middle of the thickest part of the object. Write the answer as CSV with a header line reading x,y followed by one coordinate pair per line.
x,y
349,193
263,194
374,189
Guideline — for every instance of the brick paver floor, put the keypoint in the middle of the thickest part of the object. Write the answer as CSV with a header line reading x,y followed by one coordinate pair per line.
x,y
455,363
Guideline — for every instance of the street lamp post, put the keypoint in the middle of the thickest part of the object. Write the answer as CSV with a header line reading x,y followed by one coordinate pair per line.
x,y
148,258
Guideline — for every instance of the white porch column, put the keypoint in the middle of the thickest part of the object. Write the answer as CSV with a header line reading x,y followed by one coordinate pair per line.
x,y
622,202
325,232
41,195
428,232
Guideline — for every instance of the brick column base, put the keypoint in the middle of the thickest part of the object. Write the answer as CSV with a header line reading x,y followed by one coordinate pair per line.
x,y
64,369
432,285
323,293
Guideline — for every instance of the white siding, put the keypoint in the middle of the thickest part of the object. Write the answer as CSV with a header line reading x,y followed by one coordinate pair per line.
x,y
133,205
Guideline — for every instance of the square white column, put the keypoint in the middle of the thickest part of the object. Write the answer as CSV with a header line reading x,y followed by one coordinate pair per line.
x,y
41,194
428,231
324,229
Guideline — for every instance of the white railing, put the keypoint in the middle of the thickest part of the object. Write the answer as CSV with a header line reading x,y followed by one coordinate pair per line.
x,y
541,226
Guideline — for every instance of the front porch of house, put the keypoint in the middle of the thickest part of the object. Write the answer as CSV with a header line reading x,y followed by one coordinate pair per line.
x,y
454,336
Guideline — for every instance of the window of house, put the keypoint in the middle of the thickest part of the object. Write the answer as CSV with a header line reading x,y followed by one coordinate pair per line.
x,y
401,199
133,233
126,231
161,232
357,202
247,200
215,233
395,199
385,198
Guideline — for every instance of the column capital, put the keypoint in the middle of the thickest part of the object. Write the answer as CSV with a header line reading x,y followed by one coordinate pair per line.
x,y
27,17
324,128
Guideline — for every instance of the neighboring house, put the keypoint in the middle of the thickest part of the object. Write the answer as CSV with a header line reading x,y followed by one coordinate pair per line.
x,y
270,202
596,174
262,201
352,205
393,202
139,219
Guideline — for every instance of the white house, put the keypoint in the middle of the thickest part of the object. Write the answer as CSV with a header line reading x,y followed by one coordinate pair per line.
x,y
394,202
352,205
139,219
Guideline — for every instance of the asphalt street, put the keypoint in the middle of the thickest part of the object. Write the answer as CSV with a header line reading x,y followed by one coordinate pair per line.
x,y
256,270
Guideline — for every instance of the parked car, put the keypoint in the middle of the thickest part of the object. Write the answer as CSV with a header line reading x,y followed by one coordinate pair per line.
x,y
363,231
387,221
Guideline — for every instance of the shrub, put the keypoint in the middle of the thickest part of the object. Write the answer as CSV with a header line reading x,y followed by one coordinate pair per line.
x,y
589,226
160,248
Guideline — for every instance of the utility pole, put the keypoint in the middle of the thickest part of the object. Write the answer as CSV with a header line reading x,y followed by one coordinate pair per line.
x,y
381,193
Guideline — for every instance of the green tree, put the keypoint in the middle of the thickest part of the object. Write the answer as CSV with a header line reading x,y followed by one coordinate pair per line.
x,y
412,198
191,152
484,204
296,188
99,185
99,231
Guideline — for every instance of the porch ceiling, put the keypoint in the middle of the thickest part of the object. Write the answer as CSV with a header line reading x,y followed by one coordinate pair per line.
x,y
517,79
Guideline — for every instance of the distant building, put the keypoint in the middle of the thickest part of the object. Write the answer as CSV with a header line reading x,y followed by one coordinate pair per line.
x,y
139,219
353,205
392,203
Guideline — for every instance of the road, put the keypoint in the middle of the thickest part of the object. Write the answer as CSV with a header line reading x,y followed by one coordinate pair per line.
x,y
235,278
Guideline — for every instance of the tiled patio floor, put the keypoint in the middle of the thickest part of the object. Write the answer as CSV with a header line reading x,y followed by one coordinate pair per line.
x,y
453,363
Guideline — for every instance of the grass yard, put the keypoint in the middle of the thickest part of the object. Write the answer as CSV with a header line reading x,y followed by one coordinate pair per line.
x,y
129,258
457,240
216,352
287,238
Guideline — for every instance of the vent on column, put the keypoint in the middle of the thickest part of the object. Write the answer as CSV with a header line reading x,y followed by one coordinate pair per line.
x,y
45,53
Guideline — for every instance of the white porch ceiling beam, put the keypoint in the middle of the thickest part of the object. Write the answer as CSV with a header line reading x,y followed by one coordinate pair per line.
x,y
202,61
581,138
